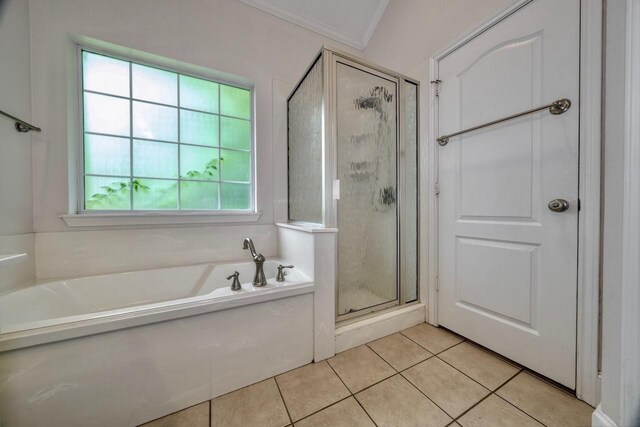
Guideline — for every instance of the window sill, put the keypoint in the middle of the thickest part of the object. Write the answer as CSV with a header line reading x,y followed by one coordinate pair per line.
x,y
307,227
158,218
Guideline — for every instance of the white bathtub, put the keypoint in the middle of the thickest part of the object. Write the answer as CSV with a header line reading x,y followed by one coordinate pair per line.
x,y
123,349
89,301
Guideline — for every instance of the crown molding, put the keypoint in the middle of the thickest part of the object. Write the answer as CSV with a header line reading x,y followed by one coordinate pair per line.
x,y
320,28
382,6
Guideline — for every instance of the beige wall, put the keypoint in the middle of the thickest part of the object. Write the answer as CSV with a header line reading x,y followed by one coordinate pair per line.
x,y
411,31
15,99
16,214
223,35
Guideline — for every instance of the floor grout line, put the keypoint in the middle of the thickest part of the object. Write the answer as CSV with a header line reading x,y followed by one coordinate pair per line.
x,y
322,409
339,377
519,409
242,388
286,408
175,412
351,394
552,383
433,353
367,387
428,398
416,364
510,378
374,384
493,393
381,358
483,399
408,367
455,419
401,373
463,373
503,358
512,404
365,411
406,379
472,406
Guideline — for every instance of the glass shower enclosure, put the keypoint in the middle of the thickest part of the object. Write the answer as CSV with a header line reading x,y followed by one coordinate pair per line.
x,y
353,165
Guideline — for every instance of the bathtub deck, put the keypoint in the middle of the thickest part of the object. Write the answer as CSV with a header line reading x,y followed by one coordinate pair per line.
x,y
421,376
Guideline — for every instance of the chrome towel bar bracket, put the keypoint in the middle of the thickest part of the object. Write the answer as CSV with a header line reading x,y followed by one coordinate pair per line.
x,y
21,125
556,107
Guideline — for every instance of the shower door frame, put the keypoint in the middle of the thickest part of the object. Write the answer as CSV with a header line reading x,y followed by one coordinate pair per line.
x,y
331,58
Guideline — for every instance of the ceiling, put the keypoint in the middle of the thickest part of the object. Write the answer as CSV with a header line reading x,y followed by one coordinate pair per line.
x,y
350,22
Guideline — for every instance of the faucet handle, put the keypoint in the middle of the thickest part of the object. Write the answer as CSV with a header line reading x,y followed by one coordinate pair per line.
x,y
281,274
235,286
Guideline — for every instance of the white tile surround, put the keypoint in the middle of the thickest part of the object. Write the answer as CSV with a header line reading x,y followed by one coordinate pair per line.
x,y
84,253
136,374
130,376
20,273
313,251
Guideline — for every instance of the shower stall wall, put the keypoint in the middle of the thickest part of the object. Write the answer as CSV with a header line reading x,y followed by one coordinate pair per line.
x,y
353,165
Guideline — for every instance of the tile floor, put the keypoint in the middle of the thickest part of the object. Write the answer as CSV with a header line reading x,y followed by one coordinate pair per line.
x,y
423,376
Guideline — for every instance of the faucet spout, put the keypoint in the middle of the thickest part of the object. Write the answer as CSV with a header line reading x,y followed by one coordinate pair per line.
x,y
259,278
248,244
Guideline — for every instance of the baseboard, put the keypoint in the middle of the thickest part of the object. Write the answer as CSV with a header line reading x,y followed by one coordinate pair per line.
x,y
370,329
600,419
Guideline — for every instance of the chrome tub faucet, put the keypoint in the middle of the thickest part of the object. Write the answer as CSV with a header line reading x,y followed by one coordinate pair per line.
x,y
281,273
235,286
259,279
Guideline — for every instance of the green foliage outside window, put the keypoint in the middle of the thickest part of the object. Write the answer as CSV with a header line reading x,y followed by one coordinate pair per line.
x,y
159,140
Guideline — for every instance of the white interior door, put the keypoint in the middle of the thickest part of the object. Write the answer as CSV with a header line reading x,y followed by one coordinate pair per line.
x,y
507,262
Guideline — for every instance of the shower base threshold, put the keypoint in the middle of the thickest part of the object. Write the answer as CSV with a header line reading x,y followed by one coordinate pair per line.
x,y
358,299
357,331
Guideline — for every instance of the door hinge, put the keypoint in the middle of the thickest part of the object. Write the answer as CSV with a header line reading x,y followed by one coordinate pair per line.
x,y
437,283
437,86
437,188
579,205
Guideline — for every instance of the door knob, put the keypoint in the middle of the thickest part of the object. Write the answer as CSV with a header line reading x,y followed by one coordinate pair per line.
x,y
558,205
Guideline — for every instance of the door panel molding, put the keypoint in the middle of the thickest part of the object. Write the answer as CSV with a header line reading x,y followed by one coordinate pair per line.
x,y
587,375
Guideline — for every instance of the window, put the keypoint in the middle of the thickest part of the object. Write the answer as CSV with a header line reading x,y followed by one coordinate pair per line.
x,y
158,140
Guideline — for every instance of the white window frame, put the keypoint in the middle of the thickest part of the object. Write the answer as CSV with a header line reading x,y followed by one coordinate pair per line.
x,y
78,216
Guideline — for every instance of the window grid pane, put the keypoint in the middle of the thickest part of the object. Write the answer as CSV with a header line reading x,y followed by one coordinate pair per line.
x,y
191,121
155,194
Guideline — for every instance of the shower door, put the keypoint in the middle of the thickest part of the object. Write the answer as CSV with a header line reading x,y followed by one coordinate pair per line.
x,y
367,147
